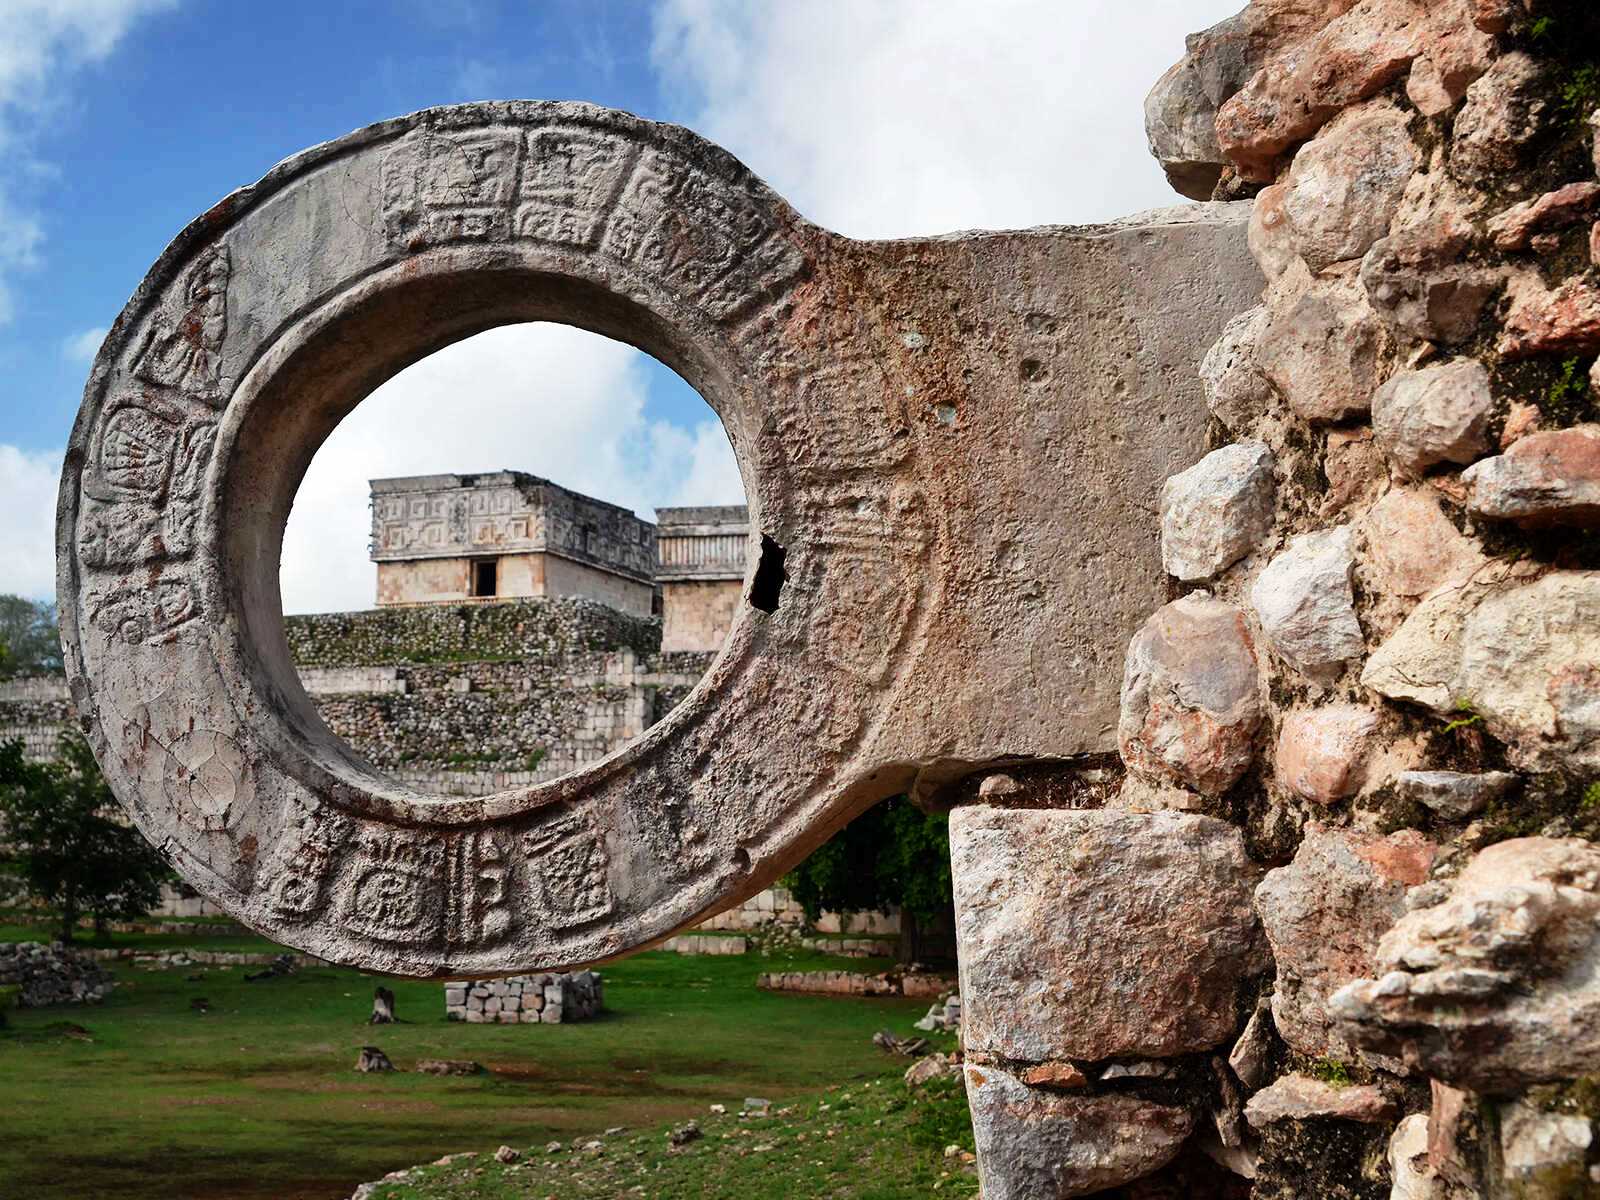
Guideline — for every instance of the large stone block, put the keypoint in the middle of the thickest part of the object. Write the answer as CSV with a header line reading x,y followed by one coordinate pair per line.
x,y
1040,1145
1087,935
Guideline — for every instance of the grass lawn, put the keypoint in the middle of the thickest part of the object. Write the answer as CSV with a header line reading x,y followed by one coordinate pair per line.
x,y
257,1097
871,1140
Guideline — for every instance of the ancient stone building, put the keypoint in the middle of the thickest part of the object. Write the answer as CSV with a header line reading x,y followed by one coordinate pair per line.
x,y
700,569
503,535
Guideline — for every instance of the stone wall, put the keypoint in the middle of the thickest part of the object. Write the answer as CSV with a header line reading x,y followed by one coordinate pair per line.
x,y
697,614
526,999
1338,929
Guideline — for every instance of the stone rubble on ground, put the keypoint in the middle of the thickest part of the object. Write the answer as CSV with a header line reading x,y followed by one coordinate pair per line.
x,y
52,974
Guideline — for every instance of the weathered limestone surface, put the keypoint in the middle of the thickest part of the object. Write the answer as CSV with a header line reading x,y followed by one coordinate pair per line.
x,y
1136,910
1498,987
1545,479
1305,602
1324,914
1041,1145
952,554
1436,415
1300,1098
1519,651
1214,513
1190,702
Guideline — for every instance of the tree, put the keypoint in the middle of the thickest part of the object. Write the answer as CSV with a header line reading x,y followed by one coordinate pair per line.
x,y
894,854
30,641
67,841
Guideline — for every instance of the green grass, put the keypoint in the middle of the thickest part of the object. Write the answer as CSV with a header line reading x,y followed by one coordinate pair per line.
x,y
257,1097
869,1140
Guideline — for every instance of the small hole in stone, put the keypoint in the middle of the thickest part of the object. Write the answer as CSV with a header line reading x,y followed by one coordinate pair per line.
x,y
946,413
770,576
1032,369
741,860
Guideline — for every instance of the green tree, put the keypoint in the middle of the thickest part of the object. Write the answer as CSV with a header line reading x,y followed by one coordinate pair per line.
x,y
30,642
67,842
894,854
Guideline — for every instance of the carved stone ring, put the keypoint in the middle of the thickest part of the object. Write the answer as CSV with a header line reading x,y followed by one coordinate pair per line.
x,y
952,450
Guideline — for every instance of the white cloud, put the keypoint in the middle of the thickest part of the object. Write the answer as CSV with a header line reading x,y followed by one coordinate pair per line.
x,y
42,41
547,399
28,481
82,347
889,118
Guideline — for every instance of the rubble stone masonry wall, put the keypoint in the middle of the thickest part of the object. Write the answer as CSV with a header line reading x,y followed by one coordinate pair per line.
x,y
1337,932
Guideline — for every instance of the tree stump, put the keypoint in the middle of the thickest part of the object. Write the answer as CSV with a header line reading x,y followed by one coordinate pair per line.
x,y
373,1060
382,1007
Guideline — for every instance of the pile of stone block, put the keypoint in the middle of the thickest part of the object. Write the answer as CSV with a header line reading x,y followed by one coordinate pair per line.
x,y
944,1015
52,974
547,999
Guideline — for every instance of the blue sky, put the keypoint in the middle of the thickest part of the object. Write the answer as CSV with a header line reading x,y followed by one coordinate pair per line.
x,y
122,119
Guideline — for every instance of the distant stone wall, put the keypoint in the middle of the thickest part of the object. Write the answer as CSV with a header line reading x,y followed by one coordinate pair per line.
x,y
527,629
35,710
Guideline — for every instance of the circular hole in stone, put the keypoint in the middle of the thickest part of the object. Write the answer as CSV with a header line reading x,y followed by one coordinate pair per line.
x,y
513,558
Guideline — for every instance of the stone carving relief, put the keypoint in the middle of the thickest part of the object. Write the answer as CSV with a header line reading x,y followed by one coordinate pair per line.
x,y
887,447
183,348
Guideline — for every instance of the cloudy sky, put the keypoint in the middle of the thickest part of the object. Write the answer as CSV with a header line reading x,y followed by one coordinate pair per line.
x,y
122,119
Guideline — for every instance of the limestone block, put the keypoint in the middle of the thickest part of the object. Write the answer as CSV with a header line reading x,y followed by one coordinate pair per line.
x,y
1414,1178
1181,110
1237,393
1306,605
1213,514
1545,479
1542,320
1302,1098
1417,279
1250,1058
551,1014
1467,647
1324,914
1088,935
1435,415
1035,1144
1412,547
1514,228
1268,233
1498,987
1454,795
1190,696
1297,92
1321,752
1179,124
1321,352
1505,110
1346,183
1545,1153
